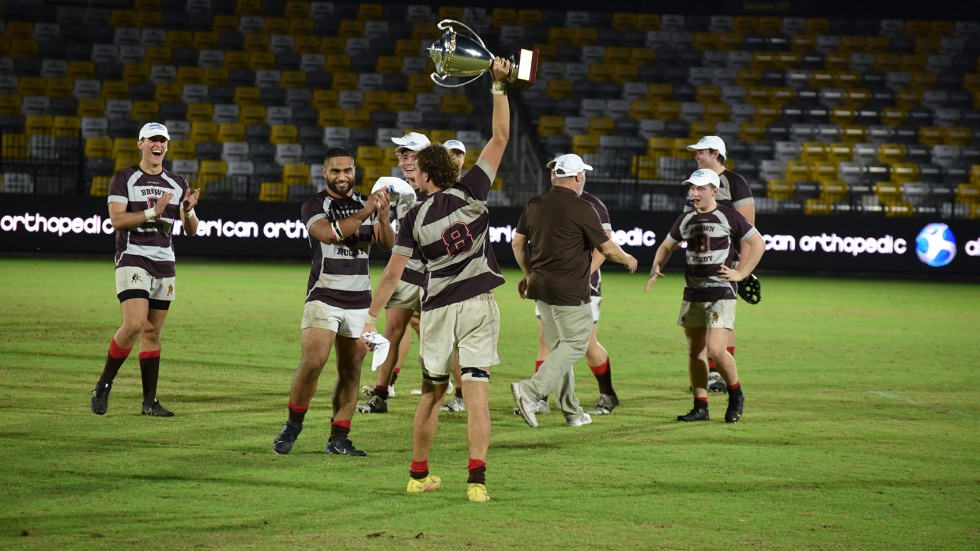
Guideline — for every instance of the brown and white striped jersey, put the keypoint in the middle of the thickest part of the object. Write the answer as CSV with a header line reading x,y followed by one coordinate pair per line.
x,y
595,281
339,272
713,239
449,231
150,245
414,272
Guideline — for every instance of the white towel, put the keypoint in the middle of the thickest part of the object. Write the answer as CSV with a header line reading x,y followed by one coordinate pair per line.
x,y
399,190
381,346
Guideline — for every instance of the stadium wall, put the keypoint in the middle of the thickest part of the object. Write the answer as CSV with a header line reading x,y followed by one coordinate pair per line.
x,y
59,225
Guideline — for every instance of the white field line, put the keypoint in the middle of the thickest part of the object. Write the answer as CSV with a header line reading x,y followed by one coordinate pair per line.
x,y
933,407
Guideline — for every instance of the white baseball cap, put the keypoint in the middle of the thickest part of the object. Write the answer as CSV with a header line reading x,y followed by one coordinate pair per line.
x,y
568,165
151,129
412,141
455,144
710,142
703,177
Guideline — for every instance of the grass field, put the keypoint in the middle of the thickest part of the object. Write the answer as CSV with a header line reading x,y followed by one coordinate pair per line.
x,y
861,427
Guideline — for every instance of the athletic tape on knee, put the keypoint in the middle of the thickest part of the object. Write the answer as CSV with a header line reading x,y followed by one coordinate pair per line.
x,y
474,374
435,379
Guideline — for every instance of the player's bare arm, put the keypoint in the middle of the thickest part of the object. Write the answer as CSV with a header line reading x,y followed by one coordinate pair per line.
x,y
611,250
664,251
188,217
384,236
750,252
386,287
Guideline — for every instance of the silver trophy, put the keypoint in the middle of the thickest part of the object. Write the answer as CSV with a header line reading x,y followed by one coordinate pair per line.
x,y
462,54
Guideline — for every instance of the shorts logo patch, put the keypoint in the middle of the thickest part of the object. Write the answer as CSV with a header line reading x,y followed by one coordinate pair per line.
x,y
136,278
170,290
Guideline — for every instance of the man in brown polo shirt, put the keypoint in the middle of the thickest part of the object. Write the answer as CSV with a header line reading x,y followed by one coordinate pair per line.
x,y
562,229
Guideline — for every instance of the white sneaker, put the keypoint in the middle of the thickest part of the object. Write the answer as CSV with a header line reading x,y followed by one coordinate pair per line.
x,y
583,419
455,405
539,406
525,404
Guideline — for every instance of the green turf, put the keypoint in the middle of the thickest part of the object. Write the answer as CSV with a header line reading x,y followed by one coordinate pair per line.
x,y
861,427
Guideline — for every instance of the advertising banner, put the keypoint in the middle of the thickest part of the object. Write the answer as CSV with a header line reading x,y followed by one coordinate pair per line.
x,y
935,248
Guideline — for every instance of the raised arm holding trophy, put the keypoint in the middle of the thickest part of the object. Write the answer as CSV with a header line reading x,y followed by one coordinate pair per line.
x,y
462,54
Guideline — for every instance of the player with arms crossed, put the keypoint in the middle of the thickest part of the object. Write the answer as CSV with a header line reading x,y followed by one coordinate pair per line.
x,y
708,309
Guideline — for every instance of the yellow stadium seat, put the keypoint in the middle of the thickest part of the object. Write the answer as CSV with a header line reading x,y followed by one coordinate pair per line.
x,y
273,191
283,133
204,131
528,17
560,36
330,116
169,92
98,147
296,173
205,40
100,186
500,17
585,144
182,149
350,28
231,132
442,135
261,60
180,39
31,86
292,79
91,107
623,21
346,80
891,152
659,91
559,89
813,152
15,145
455,104
780,190
602,126
247,95
550,125
145,110
369,155
197,112
357,118
214,76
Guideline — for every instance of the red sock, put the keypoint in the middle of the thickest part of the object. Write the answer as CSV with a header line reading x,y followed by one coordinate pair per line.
x,y
419,469
603,375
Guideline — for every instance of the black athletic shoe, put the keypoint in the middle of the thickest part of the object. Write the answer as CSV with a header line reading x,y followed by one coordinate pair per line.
x,y
284,442
734,411
343,447
100,398
376,404
696,414
156,410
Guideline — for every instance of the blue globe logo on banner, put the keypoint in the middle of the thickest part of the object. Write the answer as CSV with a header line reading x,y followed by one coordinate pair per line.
x,y
936,245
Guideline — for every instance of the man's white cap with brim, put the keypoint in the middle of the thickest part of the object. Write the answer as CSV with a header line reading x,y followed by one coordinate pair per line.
x,y
710,142
455,144
413,141
568,165
703,177
152,129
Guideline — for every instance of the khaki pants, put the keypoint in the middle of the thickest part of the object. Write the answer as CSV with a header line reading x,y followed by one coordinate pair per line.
x,y
566,332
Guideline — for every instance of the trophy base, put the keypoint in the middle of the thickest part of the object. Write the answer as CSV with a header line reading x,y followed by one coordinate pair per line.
x,y
527,69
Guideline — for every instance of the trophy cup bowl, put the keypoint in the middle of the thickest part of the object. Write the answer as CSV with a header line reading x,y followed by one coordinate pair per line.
x,y
461,54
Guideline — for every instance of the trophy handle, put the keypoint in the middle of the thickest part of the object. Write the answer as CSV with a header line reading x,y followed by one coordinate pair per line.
x,y
440,81
447,24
